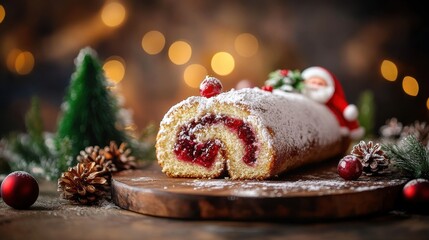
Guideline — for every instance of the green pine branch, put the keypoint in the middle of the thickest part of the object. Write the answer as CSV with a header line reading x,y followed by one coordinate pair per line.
x,y
31,146
29,151
33,121
34,127
410,157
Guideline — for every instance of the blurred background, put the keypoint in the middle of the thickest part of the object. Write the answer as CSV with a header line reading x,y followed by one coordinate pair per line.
x,y
159,51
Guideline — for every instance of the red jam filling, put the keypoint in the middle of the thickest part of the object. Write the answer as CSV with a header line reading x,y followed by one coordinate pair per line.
x,y
188,149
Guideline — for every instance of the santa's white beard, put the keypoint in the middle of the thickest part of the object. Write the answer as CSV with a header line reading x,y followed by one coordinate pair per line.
x,y
319,94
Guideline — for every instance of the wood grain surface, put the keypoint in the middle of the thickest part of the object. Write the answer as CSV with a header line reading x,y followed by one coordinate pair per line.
x,y
54,218
310,194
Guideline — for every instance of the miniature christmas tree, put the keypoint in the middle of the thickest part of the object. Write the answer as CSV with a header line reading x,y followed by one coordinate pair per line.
x,y
89,115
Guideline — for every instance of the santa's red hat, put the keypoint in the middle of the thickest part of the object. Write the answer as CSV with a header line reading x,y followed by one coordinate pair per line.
x,y
349,111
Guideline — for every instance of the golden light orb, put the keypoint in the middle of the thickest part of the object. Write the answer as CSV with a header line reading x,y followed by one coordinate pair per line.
x,y
410,86
113,14
153,42
114,69
223,63
389,70
2,13
11,58
427,103
24,63
180,52
194,74
246,45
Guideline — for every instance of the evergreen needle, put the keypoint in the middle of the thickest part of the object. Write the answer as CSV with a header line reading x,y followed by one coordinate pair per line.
x,y
410,156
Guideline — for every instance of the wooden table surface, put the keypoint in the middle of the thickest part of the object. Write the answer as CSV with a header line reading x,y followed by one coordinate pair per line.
x,y
53,218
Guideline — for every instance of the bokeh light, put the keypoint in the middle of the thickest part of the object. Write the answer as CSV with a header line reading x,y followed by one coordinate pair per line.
x,y
223,63
194,74
2,13
113,14
153,42
24,63
427,103
410,86
11,58
389,70
114,68
180,52
246,45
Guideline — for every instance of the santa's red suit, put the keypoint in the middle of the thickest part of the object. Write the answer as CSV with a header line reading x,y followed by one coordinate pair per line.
x,y
332,95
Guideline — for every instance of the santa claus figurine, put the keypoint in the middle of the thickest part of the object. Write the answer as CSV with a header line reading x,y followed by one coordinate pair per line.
x,y
322,86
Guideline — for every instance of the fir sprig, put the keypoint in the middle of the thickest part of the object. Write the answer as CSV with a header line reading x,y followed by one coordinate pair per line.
x,y
31,151
34,126
410,157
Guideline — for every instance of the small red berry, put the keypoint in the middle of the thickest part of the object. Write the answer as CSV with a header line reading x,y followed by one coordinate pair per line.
x,y
284,72
349,168
416,191
210,87
19,190
267,88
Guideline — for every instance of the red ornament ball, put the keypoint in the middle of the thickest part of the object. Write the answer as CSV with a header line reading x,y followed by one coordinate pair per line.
x,y
19,190
416,191
210,87
349,168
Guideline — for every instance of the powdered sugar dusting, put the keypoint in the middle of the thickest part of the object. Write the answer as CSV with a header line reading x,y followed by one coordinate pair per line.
x,y
293,118
142,179
298,130
278,111
287,188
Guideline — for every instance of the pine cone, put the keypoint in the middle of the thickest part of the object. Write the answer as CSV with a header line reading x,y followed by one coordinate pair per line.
x,y
419,129
95,154
120,157
373,159
85,183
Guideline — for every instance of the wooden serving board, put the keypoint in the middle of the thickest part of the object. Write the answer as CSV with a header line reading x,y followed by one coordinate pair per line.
x,y
309,194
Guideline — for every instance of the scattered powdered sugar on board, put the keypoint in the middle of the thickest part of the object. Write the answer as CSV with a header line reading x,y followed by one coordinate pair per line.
x,y
210,184
285,188
142,179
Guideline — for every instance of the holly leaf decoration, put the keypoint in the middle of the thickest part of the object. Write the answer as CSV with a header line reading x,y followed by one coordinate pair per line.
x,y
285,80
